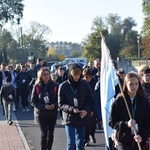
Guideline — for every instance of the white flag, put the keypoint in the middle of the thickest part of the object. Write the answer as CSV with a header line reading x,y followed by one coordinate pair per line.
x,y
108,83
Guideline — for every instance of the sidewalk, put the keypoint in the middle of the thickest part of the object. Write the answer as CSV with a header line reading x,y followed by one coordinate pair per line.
x,y
11,137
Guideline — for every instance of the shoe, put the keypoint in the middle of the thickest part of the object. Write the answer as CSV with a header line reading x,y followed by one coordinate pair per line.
x,y
86,144
92,139
35,121
24,110
27,109
10,122
14,109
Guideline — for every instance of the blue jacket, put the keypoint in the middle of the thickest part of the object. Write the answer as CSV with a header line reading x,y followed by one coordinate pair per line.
x,y
97,104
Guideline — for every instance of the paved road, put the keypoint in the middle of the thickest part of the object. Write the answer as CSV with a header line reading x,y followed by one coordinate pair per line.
x,y
32,133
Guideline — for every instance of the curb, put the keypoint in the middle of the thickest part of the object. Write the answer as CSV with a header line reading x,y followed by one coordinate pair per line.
x,y
25,143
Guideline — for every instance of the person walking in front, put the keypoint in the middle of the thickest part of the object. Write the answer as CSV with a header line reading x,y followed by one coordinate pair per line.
x,y
139,110
44,101
22,81
75,101
8,96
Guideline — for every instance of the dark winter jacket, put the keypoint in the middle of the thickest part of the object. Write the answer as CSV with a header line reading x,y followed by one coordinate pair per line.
x,y
37,99
66,102
6,91
146,87
119,118
97,104
22,80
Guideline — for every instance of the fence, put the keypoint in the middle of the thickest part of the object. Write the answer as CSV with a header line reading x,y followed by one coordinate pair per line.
x,y
132,64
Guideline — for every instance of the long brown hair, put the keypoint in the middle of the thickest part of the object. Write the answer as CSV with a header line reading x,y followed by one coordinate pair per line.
x,y
129,75
39,75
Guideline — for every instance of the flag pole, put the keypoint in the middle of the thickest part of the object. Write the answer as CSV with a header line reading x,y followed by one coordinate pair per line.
x,y
125,101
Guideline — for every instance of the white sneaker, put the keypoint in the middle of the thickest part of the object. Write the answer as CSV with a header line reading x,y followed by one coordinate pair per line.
x,y
27,109
24,110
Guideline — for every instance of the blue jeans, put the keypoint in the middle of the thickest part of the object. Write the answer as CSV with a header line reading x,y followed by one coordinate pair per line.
x,y
75,137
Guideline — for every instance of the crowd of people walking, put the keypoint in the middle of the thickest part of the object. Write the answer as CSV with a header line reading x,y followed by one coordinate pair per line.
x,y
75,92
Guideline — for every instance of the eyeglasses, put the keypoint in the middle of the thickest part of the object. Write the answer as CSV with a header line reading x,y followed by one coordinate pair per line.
x,y
45,74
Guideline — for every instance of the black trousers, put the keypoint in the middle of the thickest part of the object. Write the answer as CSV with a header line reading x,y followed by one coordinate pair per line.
x,y
128,147
17,97
24,97
90,128
47,126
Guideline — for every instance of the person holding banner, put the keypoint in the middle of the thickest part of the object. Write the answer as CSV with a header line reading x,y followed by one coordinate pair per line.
x,y
130,115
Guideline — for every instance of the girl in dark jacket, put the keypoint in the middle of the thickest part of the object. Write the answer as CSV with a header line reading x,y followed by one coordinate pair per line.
x,y
139,109
44,101
75,101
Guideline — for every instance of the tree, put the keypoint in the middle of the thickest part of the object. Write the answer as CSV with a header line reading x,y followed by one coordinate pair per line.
x,y
146,46
91,46
11,10
39,31
114,44
129,39
12,49
119,36
128,24
5,56
146,29
92,43
50,52
129,52
98,24
75,54
146,24
34,39
114,23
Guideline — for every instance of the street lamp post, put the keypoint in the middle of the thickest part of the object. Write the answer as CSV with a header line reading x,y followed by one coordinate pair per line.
x,y
138,41
22,45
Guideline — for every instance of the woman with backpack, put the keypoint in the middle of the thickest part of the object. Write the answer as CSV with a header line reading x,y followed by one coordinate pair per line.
x,y
44,101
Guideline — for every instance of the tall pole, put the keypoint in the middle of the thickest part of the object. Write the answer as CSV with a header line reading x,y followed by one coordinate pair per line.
x,y
138,41
22,53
